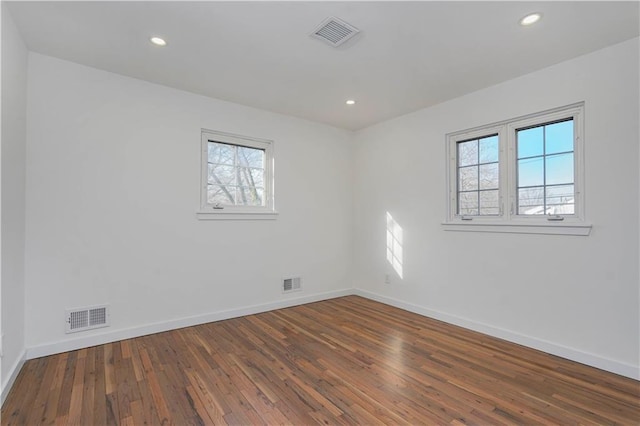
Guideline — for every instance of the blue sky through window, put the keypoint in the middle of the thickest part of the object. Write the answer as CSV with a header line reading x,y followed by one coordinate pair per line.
x,y
546,169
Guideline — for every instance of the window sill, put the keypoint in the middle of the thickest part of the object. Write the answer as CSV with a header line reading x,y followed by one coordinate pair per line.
x,y
235,215
578,229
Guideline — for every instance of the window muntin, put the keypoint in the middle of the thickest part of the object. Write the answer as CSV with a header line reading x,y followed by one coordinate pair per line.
x,y
237,175
478,176
545,164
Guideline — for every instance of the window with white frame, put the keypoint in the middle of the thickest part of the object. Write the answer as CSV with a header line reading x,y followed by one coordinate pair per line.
x,y
237,175
520,175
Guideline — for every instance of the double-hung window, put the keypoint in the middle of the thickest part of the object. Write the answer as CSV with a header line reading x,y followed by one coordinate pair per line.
x,y
236,177
522,175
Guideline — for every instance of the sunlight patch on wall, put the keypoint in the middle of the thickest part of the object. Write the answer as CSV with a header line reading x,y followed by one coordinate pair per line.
x,y
394,244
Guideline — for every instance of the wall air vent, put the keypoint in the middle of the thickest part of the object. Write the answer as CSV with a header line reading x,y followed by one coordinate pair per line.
x,y
334,31
81,319
291,284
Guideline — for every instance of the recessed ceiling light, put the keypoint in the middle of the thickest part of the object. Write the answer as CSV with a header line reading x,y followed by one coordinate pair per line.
x,y
532,18
350,102
158,41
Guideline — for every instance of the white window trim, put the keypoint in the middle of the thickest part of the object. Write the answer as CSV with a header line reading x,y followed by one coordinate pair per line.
x,y
207,211
508,221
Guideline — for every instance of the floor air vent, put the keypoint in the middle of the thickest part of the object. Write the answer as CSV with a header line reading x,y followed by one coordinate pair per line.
x,y
82,319
334,31
291,284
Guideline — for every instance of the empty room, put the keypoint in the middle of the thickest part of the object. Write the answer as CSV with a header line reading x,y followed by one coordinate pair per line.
x,y
260,213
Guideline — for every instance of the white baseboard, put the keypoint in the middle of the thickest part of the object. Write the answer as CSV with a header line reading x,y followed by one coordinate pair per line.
x,y
13,374
617,367
623,369
113,336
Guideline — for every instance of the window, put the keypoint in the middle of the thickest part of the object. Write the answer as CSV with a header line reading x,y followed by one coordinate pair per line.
x,y
237,177
521,175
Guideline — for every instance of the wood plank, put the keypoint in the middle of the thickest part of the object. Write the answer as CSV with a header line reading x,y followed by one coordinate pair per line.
x,y
50,413
99,396
41,402
77,391
67,385
158,401
89,384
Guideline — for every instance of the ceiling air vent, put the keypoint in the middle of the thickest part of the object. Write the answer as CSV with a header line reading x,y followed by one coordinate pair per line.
x,y
334,31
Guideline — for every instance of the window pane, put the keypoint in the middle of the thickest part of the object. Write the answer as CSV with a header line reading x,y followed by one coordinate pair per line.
x,y
559,137
221,153
531,200
530,142
468,178
246,196
467,153
489,202
531,172
221,175
489,176
250,157
559,169
236,173
220,194
560,199
468,203
489,149
251,177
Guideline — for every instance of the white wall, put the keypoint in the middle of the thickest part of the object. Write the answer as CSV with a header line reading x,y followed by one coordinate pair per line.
x,y
575,296
113,188
12,154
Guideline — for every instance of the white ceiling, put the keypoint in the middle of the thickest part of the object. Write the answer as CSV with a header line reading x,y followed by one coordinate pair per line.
x,y
409,55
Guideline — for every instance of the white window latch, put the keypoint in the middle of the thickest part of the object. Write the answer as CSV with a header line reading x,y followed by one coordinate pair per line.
x,y
217,206
555,218
465,218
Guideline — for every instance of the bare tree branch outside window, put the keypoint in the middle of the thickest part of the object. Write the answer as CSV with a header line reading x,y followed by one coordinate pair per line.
x,y
236,175
478,176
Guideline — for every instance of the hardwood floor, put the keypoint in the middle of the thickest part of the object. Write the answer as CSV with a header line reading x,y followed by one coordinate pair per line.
x,y
343,361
